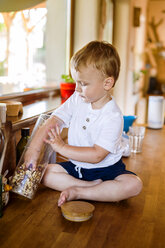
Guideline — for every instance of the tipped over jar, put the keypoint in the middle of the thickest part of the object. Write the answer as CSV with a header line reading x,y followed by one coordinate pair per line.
x,y
34,160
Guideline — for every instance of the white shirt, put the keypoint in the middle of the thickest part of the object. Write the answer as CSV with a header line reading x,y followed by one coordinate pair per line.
x,y
88,126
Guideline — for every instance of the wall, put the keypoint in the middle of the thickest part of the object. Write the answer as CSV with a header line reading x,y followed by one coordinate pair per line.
x,y
139,53
85,30
56,39
120,40
130,42
137,43
86,22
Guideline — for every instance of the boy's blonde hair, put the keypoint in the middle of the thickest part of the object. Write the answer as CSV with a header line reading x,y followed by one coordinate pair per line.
x,y
102,55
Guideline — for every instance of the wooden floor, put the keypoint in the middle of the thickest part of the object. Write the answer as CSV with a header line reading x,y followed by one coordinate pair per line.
x,y
134,223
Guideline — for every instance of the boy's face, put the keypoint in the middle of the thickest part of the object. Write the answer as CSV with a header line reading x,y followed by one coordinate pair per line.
x,y
89,84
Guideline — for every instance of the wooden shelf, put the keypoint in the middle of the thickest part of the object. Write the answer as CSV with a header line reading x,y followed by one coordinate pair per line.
x,y
29,96
31,112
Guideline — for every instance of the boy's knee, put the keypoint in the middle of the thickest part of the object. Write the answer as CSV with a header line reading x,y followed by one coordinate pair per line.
x,y
44,180
135,186
54,168
47,174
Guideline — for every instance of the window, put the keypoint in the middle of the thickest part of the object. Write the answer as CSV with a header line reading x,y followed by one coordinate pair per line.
x,y
22,49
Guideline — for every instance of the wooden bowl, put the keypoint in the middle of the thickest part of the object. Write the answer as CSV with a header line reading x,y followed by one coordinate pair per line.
x,y
77,211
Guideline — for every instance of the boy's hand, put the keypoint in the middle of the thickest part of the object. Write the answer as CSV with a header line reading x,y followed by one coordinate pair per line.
x,y
55,140
30,157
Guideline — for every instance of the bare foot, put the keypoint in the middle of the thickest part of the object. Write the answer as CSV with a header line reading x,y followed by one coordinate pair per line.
x,y
72,192
68,195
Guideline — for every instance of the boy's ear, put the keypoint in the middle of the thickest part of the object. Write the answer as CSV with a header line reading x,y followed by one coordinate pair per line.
x,y
108,83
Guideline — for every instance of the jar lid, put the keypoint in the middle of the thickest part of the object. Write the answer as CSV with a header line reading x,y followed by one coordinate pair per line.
x,y
77,211
25,131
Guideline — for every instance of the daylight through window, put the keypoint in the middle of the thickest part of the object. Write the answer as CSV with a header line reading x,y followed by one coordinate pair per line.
x,y
22,50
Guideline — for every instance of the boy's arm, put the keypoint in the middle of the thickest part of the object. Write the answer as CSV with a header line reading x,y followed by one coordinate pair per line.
x,y
37,141
93,154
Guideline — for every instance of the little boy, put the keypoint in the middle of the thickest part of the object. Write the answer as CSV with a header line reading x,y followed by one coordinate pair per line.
x,y
95,170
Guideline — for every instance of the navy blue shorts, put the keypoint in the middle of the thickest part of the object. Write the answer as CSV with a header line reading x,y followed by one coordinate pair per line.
x,y
105,173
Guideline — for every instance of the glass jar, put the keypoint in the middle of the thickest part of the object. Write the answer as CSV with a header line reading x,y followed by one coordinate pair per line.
x,y
29,172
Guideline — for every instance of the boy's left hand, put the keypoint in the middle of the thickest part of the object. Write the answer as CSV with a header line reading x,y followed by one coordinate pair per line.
x,y
55,140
